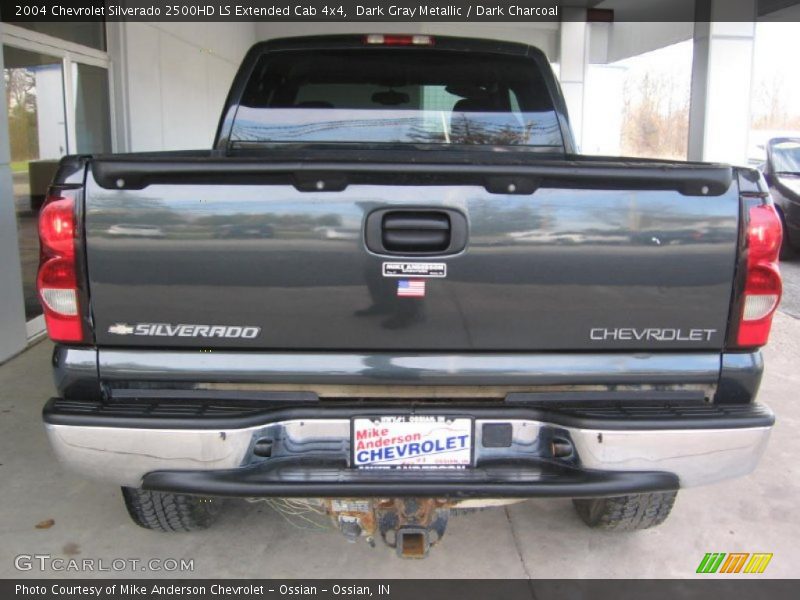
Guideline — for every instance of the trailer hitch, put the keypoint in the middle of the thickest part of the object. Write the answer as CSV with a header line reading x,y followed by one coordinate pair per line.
x,y
410,525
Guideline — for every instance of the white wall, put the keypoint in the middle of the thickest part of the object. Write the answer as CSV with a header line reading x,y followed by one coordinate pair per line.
x,y
174,78
602,113
632,39
12,305
573,57
644,25
50,120
719,115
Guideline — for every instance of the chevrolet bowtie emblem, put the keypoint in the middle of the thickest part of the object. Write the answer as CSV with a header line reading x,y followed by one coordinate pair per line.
x,y
120,329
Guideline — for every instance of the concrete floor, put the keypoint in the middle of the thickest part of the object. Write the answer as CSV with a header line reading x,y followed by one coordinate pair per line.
x,y
538,539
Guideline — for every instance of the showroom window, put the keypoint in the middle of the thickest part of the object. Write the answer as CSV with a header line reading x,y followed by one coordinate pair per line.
x,y
58,102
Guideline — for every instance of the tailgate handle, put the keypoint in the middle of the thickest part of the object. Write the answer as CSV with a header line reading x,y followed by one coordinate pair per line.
x,y
416,232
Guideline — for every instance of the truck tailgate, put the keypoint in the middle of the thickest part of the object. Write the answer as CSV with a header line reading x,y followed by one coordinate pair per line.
x,y
253,265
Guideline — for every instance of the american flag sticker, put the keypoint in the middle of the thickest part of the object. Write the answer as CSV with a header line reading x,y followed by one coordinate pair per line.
x,y
411,288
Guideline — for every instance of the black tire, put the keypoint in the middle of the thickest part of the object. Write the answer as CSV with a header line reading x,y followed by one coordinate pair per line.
x,y
166,512
626,513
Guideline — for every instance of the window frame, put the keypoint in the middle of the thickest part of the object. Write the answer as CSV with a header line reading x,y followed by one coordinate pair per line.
x,y
69,53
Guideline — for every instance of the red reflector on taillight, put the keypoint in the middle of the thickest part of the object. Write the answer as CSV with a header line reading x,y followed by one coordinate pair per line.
x,y
762,290
764,234
391,39
58,273
57,226
57,281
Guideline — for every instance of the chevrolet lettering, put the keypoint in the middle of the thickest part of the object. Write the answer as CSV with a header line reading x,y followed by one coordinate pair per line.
x,y
654,334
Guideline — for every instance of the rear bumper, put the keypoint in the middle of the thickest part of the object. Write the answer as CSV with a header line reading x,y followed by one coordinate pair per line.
x,y
611,451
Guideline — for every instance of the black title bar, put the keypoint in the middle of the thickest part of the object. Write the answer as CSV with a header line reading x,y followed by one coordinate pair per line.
x,y
397,589
522,11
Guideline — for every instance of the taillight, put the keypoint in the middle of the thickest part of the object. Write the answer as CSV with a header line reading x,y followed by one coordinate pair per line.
x,y
762,288
57,226
57,281
391,39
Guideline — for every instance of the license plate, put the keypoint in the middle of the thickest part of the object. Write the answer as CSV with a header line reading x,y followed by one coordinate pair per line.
x,y
411,442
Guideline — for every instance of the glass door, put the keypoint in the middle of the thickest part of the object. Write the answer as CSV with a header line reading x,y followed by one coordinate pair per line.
x,y
37,131
90,106
58,102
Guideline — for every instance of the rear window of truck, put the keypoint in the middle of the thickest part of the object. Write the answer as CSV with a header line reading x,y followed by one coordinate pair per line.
x,y
396,96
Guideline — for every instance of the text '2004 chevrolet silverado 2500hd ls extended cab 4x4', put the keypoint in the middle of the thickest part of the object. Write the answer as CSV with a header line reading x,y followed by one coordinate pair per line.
x,y
393,289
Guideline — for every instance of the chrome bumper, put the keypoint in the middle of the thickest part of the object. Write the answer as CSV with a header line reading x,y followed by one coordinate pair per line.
x,y
125,455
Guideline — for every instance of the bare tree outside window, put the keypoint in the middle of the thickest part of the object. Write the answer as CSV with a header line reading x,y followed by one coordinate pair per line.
x,y
775,98
655,121
655,117
22,118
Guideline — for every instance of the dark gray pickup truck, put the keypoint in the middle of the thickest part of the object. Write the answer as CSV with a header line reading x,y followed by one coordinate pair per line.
x,y
393,289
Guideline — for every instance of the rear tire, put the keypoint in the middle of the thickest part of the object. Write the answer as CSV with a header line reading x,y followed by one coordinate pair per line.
x,y
167,512
626,513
